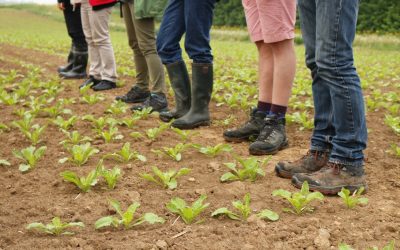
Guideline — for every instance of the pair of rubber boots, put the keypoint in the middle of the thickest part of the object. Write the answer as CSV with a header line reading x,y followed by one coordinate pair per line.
x,y
191,100
76,64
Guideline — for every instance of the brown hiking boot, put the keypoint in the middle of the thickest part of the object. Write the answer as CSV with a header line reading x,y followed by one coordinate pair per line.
x,y
311,162
331,179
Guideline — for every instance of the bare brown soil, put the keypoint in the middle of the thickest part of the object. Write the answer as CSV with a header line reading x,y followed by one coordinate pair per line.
x,y
41,194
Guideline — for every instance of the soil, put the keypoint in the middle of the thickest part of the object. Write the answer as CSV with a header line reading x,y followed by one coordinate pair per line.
x,y
41,194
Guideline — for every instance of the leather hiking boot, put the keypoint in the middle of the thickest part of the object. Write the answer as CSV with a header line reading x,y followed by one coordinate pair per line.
x,y
134,95
331,179
311,162
78,70
250,130
90,81
104,85
156,101
202,85
69,64
272,137
180,83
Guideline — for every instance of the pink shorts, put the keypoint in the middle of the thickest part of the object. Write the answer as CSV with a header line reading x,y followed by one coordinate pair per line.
x,y
270,21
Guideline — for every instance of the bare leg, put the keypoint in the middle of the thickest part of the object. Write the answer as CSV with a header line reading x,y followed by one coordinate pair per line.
x,y
266,72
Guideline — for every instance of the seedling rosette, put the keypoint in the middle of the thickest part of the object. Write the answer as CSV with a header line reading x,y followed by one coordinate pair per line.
x,y
300,201
74,138
79,154
126,154
188,213
127,218
110,175
56,227
166,179
250,169
31,156
84,183
213,151
352,200
175,152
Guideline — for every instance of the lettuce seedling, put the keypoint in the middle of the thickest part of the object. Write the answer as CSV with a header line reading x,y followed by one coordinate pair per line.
x,y
65,124
187,213
80,154
126,154
343,246
25,123
85,89
111,176
110,135
390,246
74,138
302,119
244,209
4,163
56,227
352,200
136,135
129,122
34,134
153,133
126,218
166,179
185,135
31,156
251,168
174,152
393,122
213,151
9,99
92,99
100,123
4,128
300,201
117,108
395,150
57,110
143,114
84,183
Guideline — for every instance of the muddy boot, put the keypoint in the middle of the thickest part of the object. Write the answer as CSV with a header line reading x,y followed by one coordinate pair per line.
x,y
78,70
272,137
69,65
179,78
331,179
311,162
202,84
249,131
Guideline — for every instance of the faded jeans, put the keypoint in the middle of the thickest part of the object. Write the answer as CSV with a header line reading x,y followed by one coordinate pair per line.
x,y
328,28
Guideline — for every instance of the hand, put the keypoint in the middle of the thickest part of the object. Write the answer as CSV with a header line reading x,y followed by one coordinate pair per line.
x,y
61,6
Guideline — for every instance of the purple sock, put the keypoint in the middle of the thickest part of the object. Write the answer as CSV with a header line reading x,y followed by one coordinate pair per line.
x,y
279,111
264,106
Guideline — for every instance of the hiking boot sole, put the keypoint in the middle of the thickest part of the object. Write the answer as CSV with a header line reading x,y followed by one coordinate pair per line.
x,y
81,76
132,101
282,173
240,139
269,152
329,190
191,126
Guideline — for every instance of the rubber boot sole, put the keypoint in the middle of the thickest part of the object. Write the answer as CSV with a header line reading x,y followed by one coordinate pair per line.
x,y
77,76
271,151
329,190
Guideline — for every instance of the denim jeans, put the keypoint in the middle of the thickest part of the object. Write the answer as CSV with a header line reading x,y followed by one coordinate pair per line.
x,y
193,17
328,28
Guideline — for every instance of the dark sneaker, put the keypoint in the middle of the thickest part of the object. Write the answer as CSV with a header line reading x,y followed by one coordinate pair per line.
x,y
134,95
249,131
272,137
156,101
331,179
90,81
104,85
311,162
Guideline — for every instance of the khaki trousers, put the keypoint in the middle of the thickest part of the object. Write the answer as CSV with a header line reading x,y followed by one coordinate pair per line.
x,y
101,53
142,40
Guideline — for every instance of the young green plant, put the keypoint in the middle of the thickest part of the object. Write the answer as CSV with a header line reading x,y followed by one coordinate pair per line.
x,y
110,175
56,227
31,156
110,135
250,169
213,151
79,154
175,152
300,201
65,124
165,179
188,213
352,200
127,219
84,183
126,154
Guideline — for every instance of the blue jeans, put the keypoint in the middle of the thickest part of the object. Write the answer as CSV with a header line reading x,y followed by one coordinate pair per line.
x,y
328,28
193,17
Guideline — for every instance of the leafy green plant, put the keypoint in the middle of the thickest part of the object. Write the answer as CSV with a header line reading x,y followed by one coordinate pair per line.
x,y
84,183
31,156
34,133
395,150
213,151
136,135
343,246
74,138
302,119
25,123
352,200
111,176
126,154
393,122
110,135
79,154
56,227
129,122
92,99
250,169
65,124
127,218
184,135
187,213
153,133
117,108
4,163
243,207
174,152
4,128
9,99
57,110
389,246
166,179
300,201
143,114
99,123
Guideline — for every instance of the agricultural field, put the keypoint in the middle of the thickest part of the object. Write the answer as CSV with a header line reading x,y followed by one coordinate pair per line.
x,y
52,134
